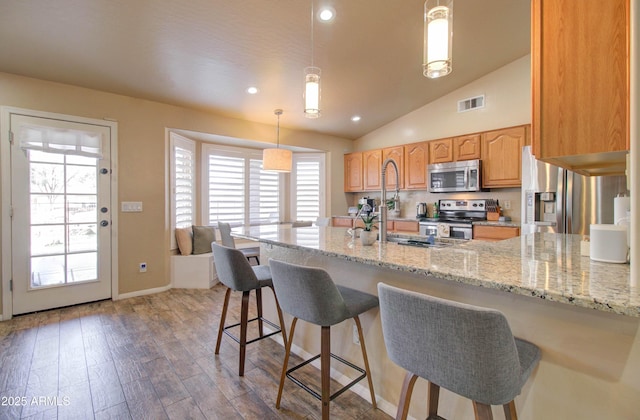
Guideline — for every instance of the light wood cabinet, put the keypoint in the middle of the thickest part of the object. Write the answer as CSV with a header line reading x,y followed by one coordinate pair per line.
x,y
466,147
372,164
502,157
408,226
580,84
494,233
441,151
416,158
397,154
353,181
345,222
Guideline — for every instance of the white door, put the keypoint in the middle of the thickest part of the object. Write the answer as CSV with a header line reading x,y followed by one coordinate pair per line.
x,y
61,227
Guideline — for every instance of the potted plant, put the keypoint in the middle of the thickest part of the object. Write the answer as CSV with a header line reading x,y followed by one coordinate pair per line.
x,y
368,236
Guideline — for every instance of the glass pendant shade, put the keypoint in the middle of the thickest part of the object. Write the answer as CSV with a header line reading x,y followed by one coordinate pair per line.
x,y
312,92
276,160
438,38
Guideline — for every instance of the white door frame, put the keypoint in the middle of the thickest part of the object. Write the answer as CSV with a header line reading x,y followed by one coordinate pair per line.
x,y
5,190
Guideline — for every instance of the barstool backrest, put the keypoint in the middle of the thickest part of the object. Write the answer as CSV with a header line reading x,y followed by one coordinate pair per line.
x,y
307,293
466,349
233,268
225,235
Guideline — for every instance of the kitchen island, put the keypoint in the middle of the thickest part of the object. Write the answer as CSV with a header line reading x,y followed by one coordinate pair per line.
x,y
584,315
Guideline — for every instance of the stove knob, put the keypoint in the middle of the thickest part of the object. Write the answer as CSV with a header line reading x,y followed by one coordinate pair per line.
x,y
475,204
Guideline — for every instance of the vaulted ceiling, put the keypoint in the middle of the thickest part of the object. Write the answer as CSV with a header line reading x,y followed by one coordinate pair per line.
x,y
204,54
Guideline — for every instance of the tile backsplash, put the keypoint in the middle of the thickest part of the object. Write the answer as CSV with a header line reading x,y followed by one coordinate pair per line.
x,y
410,199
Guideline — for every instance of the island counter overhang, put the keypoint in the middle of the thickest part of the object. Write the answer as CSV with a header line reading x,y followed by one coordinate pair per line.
x,y
584,315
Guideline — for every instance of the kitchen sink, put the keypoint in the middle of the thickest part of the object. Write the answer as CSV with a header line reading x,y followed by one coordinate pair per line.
x,y
422,243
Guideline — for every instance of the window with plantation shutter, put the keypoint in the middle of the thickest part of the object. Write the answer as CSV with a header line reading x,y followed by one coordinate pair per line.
x,y
264,197
237,190
308,186
183,171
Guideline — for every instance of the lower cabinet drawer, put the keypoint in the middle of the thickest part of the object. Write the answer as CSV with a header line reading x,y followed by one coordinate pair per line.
x,y
494,233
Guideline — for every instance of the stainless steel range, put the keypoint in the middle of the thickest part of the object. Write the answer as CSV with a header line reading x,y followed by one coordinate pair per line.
x,y
456,219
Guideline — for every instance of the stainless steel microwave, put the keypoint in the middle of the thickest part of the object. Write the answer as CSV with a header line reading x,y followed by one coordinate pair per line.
x,y
455,176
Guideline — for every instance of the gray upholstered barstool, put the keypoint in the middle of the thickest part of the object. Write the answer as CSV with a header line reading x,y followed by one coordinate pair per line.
x,y
235,272
309,293
228,241
466,349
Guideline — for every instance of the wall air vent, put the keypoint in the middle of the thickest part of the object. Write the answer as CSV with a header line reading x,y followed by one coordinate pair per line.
x,y
471,103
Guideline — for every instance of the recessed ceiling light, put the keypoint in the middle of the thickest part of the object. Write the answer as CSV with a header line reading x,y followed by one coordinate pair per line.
x,y
355,118
326,14
252,90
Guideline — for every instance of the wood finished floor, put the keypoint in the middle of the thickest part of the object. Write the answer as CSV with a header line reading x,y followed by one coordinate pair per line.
x,y
149,357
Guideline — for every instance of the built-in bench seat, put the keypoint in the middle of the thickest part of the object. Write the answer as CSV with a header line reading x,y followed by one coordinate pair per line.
x,y
197,271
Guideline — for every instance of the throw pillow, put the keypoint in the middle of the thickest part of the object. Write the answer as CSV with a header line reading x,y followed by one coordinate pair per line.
x,y
184,237
202,238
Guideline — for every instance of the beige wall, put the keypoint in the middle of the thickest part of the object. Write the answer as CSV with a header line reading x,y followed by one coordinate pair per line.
x,y
141,168
507,103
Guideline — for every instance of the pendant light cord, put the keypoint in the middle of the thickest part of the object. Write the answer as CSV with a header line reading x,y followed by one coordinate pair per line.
x,y
278,112
312,54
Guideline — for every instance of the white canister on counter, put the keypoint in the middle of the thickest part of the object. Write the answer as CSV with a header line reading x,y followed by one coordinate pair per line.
x,y
609,243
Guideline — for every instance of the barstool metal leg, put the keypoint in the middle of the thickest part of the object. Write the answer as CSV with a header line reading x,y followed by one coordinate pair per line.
x,y
285,363
325,369
244,321
223,317
366,361
405,395
482,411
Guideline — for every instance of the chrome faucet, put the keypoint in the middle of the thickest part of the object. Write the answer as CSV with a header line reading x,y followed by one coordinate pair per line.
x,y
365,207
383,196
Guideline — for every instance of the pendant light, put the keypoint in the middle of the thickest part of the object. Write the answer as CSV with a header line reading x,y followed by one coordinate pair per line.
x,y
277,160
438,37
312,83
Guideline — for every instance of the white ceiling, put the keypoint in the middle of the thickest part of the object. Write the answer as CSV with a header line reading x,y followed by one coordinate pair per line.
x,y
203,54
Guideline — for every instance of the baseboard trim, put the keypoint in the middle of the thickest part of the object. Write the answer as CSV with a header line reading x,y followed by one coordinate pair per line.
x,y
143,292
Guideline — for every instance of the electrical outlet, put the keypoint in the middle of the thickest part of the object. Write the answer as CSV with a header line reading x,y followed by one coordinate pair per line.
x,y
506,204
143,267
356,337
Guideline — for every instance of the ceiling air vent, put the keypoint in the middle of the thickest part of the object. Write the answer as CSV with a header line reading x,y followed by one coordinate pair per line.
x,y
471,103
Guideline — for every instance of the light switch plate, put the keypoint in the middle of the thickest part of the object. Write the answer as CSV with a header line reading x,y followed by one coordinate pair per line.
x,y
131,206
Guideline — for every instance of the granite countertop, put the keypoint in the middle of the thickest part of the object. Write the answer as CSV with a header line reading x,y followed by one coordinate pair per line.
x,y
543,265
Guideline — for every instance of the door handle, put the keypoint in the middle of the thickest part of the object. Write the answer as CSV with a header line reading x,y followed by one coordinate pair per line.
x,y
104,209
104,223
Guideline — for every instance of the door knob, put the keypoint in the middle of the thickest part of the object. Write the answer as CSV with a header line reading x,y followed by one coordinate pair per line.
x,y
104,223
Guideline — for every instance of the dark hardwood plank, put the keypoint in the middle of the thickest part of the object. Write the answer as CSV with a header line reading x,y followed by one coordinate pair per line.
x,y
150,357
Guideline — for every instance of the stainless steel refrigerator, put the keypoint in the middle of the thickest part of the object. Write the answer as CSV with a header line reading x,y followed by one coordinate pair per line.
x,y
561,201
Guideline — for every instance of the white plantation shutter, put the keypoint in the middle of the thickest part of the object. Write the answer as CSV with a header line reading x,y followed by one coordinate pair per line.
x,y
237,190
308,186
183,174
184,186
264,200
226,193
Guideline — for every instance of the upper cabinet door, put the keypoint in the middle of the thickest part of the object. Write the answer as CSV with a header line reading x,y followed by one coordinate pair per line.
x,y
372,169
397,154
416,158
441,151
580,83
353,181
502,157
466,147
